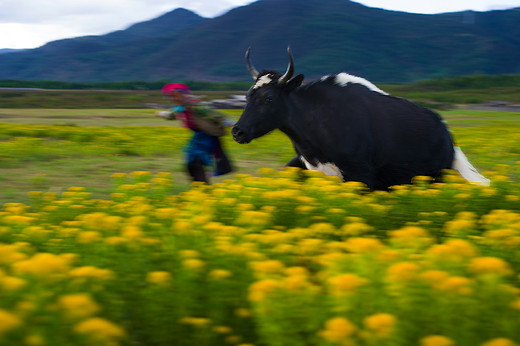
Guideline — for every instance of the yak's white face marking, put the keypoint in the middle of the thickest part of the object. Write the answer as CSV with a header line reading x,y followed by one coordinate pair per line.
x,y
327,168
265,79
343,79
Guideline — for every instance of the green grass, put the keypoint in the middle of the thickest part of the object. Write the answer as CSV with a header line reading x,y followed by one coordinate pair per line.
x,y
449,97
53,149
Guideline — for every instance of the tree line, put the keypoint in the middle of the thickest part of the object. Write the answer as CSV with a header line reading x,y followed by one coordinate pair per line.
x,y
128,85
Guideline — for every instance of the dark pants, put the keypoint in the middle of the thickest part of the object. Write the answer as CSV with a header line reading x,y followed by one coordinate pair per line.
x,y
197,171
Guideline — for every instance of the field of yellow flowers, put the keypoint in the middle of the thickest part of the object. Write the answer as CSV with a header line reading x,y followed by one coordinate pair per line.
x,y
281,257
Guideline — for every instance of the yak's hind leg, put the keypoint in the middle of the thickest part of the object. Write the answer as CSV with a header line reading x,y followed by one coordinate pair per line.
x,y
296,162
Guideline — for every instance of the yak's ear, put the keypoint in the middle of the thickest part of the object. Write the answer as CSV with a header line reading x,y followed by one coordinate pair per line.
x,y
294,83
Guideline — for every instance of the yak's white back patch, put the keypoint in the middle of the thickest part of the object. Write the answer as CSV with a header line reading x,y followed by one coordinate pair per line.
x,y
343,79
327,168
263,80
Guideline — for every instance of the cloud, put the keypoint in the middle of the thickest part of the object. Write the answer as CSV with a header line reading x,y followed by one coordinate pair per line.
x,y
31,23
441,6
28,24
34,35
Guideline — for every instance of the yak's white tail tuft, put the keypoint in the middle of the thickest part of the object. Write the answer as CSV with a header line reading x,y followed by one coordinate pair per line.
x,y
466,169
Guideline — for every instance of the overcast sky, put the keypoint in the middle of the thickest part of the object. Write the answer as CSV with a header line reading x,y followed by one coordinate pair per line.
x,y
32,23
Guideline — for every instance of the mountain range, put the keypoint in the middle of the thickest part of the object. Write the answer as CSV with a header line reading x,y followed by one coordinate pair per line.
x,y
326,36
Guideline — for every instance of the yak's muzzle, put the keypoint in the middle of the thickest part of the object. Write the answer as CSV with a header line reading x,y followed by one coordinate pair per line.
x,y
239,136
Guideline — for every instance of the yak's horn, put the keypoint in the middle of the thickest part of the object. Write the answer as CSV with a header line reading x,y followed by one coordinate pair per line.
x,y
290,69
251,68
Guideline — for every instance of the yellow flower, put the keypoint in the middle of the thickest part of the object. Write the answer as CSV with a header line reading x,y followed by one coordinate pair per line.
x,y
243,312
505,238
422,180
92,273
222,329
159,278
402,272
117,195
193,264
132,232
335,211
26,306
266,172
8,322
253,218
268,267
18,219
161,181
454,250
195,321
233,339
364,245
228,201
345,284
260,289
382,325
100,331
165,213
437,340
189,254
310,246
512,198
219,274
78,305
434,277
11,283
34,340
411,237
44,265
322,228
338,330
500,218
140,174
456,284
15,208
297,271
515,304
165,175
9,254
115,240
490,266
118,175
280,194
296,283
500,342
356,228
88,237
455,226
182,226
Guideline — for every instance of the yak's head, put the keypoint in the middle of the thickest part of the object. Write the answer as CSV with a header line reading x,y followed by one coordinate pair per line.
x,y
266,107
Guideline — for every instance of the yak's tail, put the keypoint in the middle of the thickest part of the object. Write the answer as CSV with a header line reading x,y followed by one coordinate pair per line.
x,y
466,169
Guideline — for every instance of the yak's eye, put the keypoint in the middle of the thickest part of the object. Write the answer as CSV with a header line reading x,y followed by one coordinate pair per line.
x,y
268,99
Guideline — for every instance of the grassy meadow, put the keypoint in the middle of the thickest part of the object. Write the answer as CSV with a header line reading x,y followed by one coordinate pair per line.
x,y
53,149
103,241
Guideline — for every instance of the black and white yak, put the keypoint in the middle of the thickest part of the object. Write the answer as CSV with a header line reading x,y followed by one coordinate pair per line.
x,y
346,126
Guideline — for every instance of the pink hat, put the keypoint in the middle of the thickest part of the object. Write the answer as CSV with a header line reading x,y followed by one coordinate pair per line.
x,y
170,87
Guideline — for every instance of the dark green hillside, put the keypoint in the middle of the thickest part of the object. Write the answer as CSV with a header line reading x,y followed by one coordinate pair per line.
x,y
327,36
